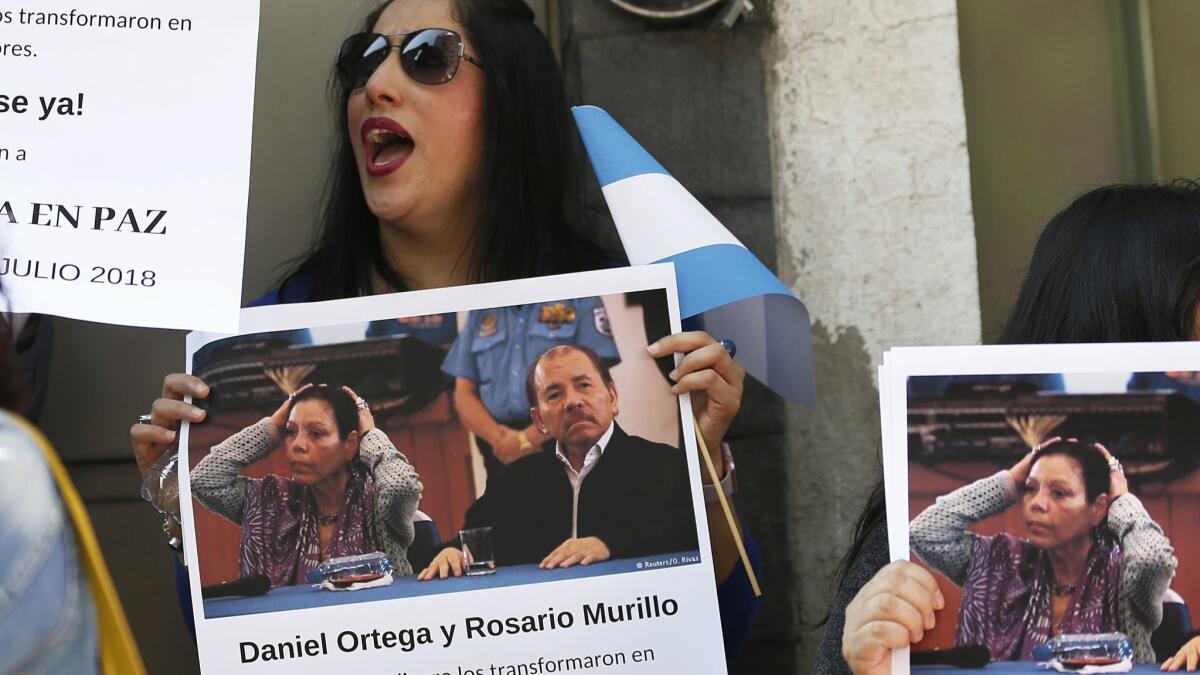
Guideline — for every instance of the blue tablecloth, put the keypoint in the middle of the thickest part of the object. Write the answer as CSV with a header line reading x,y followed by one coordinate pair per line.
x,y
301,597
1011,667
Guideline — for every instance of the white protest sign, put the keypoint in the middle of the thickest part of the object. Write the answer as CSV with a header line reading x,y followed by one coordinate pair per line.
x,y
646,604
125,131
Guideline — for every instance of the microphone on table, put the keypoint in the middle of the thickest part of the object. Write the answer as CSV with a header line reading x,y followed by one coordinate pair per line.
x,y
257,584
969,656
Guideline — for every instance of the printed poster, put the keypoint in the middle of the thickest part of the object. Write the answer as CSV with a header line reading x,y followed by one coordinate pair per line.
x,y
1051,490
337,437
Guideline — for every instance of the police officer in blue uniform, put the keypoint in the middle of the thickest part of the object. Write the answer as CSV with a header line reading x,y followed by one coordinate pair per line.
x,y
492,356
434,329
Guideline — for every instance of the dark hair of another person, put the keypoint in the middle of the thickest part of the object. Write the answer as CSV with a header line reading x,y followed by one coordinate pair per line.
x,y
1120,264
345,412
560,350
526,173
1097,478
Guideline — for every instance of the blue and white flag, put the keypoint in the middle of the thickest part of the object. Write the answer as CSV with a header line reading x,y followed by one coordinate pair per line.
x,y
740,299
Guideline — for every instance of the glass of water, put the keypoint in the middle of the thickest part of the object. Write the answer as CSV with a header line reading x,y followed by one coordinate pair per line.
x,y
477,551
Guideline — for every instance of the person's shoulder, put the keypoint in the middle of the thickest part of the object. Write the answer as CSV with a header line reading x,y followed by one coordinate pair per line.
x,y
472,321
267,299
16,431
580,252
534,463
273,486
1009,541
1002,547
875,554
20,449
23,448
25,471
587,302
868,559
529,470
295,289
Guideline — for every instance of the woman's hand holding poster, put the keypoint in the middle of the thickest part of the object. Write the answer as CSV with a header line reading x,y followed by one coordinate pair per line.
x,y
125,157
340,517
1051,491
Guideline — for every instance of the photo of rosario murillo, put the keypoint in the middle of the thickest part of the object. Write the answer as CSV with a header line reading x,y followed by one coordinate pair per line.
x,y
350,491
1058,542
1092,560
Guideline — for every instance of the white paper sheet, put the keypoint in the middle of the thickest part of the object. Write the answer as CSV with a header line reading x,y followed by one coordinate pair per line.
x,y
125,132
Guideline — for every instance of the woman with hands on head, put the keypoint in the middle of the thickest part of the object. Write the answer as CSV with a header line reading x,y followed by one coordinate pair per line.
x,y
1121,263
453,165
1092,560
350,491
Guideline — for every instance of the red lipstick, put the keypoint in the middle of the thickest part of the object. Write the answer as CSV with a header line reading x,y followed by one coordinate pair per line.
x,y
386,145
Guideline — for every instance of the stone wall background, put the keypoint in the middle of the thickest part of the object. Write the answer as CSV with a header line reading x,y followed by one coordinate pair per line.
x,y
829,137
873,216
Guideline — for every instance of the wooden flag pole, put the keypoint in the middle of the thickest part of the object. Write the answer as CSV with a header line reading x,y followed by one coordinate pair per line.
x,y
733,526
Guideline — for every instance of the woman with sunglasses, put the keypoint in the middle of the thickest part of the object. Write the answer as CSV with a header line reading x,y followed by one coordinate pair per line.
x,y
452,166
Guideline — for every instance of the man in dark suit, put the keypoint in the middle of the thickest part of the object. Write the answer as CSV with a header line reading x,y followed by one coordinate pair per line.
x,y
597,493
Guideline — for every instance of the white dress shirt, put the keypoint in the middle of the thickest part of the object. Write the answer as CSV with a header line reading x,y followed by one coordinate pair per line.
x,y
576,477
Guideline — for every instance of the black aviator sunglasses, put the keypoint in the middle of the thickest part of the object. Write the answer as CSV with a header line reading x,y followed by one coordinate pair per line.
x,y
429,55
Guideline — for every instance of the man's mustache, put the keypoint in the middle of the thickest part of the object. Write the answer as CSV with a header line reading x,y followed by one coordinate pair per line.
x,y
572,418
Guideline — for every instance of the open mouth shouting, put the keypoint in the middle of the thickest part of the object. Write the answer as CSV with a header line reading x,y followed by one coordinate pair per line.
x,y
386,145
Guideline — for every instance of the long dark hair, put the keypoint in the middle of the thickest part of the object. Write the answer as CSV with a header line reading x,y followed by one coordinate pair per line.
x,y
526,174
1120,264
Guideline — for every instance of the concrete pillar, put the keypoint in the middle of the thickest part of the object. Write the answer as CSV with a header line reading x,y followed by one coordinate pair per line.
x,y
875,232
696,99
